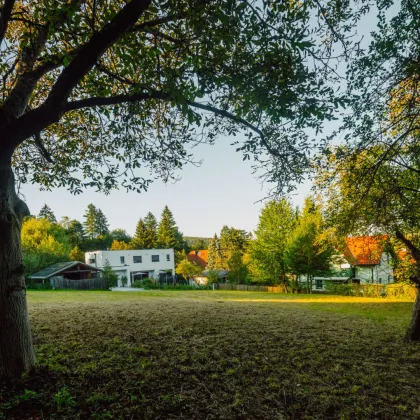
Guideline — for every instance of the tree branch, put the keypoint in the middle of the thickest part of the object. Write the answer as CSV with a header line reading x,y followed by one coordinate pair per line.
x,y
53,108
6,12
415,252
141,96
89,53
239,120
115,100
17,101
42,148
152,23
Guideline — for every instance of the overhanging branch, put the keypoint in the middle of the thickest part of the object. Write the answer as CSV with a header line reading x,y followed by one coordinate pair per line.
x,y
89,53
239,120
115,100
5,13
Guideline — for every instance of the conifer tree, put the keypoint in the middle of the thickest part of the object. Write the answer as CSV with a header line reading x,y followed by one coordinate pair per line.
x,y
167,230
151,231
75,232
215,259
47,213
90,221
140,238
101,223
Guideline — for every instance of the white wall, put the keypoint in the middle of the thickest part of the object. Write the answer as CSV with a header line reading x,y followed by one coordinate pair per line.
x,y
380,274
128,267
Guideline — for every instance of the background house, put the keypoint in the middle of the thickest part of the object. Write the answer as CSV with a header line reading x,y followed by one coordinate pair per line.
x,y
203,278
364,260
369,259
199,257
137,264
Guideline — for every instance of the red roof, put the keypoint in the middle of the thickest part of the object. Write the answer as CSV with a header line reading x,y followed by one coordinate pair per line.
x,y
365,250
198,257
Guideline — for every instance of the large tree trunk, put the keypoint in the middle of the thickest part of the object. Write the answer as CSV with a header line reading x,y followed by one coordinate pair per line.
x,y
413,332
16,348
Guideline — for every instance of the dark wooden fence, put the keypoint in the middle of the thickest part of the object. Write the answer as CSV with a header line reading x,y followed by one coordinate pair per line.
x,y
88,284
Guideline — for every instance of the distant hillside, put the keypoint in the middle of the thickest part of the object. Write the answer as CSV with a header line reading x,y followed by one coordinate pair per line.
x,y
196,242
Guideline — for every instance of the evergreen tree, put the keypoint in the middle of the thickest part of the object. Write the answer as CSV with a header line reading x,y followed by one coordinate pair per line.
x,y
101,223
47,213
167,230
75,232
150,224
90,221
215,259
140,240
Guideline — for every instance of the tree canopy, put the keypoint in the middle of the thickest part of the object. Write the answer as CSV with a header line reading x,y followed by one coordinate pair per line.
x,y
145,79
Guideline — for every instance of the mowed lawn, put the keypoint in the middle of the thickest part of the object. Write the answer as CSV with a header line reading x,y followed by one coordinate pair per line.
x,y
216,355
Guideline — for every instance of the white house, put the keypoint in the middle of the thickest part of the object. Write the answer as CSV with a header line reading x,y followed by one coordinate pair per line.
x,y
135,264
367,259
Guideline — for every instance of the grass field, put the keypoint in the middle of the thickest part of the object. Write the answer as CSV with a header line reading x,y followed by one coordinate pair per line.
x,y
216,355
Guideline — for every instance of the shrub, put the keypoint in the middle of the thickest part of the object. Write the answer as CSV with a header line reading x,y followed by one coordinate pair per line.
x,y
31,285
146,284
405,290
109,275
366,290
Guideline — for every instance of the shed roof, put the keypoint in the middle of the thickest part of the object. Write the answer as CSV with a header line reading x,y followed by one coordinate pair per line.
x,y
58,268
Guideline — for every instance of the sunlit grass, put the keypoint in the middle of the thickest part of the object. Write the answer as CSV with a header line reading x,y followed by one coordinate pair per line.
x,y
217,354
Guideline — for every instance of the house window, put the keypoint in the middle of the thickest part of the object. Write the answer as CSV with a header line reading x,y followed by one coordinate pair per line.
x,y
155,258
137,259
318,284
168,257
122,260
380,280
92,260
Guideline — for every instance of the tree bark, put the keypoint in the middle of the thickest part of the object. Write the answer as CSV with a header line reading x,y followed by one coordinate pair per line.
x,y
16,349
413,332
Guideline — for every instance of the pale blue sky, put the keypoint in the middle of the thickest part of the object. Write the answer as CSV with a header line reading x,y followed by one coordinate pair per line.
x,y
222,191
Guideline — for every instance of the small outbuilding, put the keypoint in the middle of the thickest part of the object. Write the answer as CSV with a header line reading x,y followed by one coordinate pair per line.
x,y
203,278
70,275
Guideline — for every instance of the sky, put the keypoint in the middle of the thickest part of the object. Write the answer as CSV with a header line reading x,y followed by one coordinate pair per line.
x,y
222,191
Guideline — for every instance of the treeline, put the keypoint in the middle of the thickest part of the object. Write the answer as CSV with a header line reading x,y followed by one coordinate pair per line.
x,y
45,241
289,244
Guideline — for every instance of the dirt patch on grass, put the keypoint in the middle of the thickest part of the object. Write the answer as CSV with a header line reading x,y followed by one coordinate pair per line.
x,y
216,355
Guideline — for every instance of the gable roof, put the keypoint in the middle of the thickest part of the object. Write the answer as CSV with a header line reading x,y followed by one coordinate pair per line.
x,y
365,250
55,269
198,257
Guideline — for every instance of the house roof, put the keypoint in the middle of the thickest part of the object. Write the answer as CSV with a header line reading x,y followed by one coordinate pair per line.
x,y
219,273
55,269
198,257
365,250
